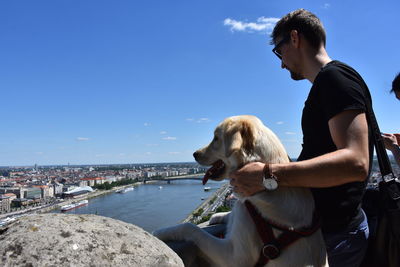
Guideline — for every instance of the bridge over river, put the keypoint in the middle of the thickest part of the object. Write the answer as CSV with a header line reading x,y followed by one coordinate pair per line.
x,y
197,176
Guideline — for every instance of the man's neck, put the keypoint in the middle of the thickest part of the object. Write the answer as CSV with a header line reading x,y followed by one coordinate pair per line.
x,y
314,62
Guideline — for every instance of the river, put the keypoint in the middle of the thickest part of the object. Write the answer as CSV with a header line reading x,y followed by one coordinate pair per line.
x,y
151,206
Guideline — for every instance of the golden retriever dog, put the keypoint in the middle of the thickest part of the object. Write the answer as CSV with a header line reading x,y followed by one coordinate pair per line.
x,y
239,140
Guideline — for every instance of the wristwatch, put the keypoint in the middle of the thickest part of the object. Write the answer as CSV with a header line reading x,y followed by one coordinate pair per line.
x,y
270,181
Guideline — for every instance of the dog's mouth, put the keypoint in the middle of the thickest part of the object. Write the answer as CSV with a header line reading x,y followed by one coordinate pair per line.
x,y
216,170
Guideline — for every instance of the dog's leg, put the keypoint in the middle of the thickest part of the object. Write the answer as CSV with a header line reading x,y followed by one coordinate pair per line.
x,y
220,217
218,250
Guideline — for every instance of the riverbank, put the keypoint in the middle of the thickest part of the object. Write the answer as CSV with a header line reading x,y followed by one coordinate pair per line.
x,y
209,205
57,205
151,207
53,206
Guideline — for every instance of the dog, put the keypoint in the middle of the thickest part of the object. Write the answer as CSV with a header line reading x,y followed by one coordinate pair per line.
x,y
239,140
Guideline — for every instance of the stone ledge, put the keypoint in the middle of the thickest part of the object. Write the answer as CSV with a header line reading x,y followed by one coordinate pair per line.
x,y
80,240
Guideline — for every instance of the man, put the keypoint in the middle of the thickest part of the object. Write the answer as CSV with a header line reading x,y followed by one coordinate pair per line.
x,y
337,151
396,86
392,141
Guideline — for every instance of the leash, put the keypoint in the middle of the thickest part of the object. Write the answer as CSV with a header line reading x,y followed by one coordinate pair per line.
x,y
274,245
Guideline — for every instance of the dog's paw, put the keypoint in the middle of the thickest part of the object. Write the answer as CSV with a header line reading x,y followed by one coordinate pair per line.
x,y
177,232
161,234
220,217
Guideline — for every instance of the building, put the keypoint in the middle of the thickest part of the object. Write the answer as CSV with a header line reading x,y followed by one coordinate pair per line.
x,y
18,191
46,191
77,192
11,196
150,174
5,204
32,192
57,188
20,202
173,173
92,181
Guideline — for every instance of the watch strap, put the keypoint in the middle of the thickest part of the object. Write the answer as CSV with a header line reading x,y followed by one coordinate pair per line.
x,y
268,172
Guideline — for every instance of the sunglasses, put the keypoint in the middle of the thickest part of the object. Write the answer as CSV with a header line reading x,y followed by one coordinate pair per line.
x,y
276,51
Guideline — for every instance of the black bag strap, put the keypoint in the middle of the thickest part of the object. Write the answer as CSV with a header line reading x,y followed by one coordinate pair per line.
x,y
383,159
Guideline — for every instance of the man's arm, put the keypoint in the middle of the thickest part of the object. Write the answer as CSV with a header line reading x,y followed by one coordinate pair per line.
x,y
349,131
392,144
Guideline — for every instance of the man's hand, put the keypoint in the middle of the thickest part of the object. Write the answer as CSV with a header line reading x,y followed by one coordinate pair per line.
x,y
247,181
397,135
391,140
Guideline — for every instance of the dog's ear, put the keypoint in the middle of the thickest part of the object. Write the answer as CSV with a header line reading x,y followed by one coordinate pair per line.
x,y
239,136
246,130
233,141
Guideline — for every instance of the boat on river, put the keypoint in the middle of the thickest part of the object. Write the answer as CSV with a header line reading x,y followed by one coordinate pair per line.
x,y
124,190
74,205
207,188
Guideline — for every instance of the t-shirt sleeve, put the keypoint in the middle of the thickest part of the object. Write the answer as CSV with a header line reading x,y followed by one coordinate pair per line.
x,y
338,92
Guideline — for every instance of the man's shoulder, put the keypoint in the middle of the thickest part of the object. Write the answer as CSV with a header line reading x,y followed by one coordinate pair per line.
x,y
336,72
334,67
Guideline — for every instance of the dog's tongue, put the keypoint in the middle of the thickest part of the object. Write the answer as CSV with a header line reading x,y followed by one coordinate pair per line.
x,y
212,171
206,177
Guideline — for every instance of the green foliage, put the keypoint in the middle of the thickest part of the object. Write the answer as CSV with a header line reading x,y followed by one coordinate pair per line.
x,y
213,200
4,173
205,218
198,212
223,209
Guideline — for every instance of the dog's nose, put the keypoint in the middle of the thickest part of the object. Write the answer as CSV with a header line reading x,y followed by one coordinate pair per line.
x,y
196,155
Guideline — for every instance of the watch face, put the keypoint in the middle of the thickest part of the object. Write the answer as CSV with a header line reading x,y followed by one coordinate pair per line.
x,y
270,184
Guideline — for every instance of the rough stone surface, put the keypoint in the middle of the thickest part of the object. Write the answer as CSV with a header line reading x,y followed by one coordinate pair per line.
x,y
81,240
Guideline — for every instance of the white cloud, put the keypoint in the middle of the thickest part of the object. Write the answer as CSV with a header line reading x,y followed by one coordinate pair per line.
x,y
279,122
169,138
121,154
152,145
201,120
163,132
263,24
326,6
148,153
174,153
290,133
82,139
39,153
146,124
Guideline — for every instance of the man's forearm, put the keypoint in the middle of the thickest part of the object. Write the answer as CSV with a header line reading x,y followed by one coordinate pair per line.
x,y
332,169
396,153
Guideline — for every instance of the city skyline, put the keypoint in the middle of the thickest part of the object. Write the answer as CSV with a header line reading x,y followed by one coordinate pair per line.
x,y
105,82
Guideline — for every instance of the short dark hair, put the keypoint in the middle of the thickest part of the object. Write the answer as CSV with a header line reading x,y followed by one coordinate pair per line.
x,y
305,23
396,84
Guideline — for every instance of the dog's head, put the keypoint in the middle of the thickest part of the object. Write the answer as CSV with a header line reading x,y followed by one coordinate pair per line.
x,y
238,140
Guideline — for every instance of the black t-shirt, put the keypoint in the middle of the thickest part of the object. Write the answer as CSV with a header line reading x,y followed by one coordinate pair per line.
x,y
335,89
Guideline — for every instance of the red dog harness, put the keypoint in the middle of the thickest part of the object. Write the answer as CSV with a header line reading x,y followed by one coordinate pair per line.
x,y
274,245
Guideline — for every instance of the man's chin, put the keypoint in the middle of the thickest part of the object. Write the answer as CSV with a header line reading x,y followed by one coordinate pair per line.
x,y
296,76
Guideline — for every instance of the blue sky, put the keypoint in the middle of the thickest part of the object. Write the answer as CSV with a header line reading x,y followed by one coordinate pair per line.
x,y
101,81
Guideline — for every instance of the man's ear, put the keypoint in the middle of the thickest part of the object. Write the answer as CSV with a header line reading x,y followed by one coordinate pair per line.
x,y
233,142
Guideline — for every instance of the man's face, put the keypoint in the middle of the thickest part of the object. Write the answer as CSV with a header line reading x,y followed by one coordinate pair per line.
x,y
286,52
